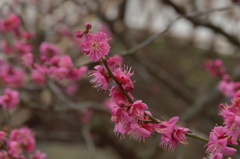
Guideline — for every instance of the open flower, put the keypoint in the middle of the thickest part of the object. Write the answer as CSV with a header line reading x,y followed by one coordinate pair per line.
x,y
95,46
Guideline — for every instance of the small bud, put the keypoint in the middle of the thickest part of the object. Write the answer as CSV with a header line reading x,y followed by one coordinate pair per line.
x,y
79,34
88,26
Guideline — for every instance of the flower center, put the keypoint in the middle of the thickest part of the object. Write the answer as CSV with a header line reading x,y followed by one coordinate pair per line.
x,y
95,45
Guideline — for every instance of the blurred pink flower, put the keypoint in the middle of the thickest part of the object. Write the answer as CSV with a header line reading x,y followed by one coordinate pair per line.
x,y
25,137
108,104
86,116
2,136
38,77
65,61
12,22
9,99
22,47
48,50
5,47
38,155
27,59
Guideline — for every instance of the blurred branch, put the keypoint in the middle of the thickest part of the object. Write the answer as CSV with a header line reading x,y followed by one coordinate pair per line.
x,y
234,40
177,87
188,16
200,104
89,142
85,132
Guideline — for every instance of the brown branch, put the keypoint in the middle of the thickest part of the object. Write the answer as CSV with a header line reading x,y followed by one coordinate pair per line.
x,y
199,22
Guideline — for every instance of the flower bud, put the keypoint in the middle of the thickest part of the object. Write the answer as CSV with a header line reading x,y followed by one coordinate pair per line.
x,y
88,26
79,34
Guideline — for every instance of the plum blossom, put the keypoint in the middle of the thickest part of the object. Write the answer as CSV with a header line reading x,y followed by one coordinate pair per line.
x,y
48,50
114,62
12,22
5,47
38,77
171,134
27,59
215,68
25,137
216,146
123,77
23,47
95,46
9,99
2,136
100,77
65,61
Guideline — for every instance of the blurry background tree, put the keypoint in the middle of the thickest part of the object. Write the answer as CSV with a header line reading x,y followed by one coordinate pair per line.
x,y
165,44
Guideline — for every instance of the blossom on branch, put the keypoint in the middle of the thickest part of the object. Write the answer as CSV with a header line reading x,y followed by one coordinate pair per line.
x,y
95,46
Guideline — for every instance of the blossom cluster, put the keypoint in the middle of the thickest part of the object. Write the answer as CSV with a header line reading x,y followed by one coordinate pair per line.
x,y
227,86
20,144
228,134
48,63
130,118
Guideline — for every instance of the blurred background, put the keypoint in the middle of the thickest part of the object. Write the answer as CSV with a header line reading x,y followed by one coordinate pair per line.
x,y
169,72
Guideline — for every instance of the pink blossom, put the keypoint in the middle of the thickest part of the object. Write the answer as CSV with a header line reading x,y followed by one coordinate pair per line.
x,y
41,68
215,68
25,137
58,73
14,77
48,50
95,45
5,47
22,47
27,35
77,73
9,99
12,22
168,143
38,155
2,136
118,95
179,135
38,77
138,133
216,145
229,88
215,156
100,77
65,61
55,60
14,149
119,114
123,77
167,128
170,134
137,109
114,62
108,104
27,59
104,28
